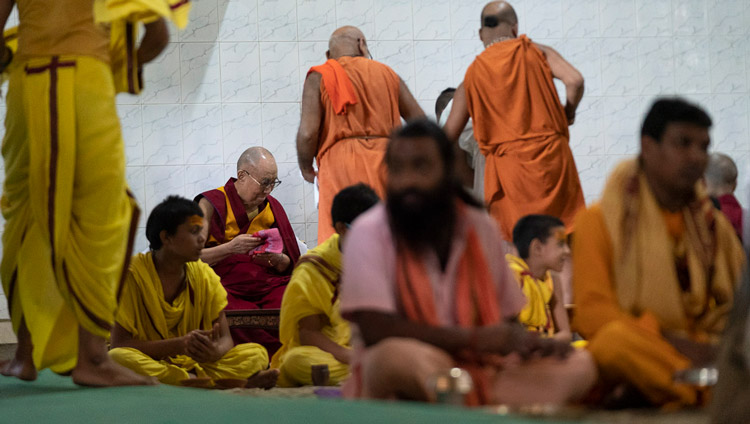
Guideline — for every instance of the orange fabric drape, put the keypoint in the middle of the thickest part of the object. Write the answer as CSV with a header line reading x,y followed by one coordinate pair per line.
x,y
476,299
351,146
626,253
337,84
521,128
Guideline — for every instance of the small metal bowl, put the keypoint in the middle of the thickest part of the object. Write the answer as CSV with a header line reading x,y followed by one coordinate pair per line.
x,y
699,377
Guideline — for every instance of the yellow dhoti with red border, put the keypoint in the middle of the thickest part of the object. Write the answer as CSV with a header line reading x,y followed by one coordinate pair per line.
x,y
70,221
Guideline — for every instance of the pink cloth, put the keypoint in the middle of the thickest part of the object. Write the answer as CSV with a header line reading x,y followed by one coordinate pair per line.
x,y
369,267
272,242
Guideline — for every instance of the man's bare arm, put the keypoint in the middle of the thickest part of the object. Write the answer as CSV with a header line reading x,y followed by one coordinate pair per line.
x,y
569,75
559,314
6,6
157,349
310,334
459,115
407,104
154,41
309,126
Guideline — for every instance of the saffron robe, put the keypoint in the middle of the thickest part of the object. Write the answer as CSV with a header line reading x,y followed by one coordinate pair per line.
x,y
147,316
313,290
352,144
123,18
522,131
249,285
639,270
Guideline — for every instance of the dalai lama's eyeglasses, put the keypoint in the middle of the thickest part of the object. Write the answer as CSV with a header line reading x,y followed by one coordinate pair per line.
x,y
265,185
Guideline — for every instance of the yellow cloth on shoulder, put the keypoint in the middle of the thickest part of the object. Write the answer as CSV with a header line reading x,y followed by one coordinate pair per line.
x,y
626,254
147,316
536,315
312,290
124,18
177,11
642,246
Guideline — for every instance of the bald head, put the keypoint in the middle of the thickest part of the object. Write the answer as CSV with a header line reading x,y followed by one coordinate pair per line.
x,y
347,41
255,157
498,21
721,174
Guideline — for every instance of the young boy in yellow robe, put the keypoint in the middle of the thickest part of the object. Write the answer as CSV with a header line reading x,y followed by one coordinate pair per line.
x,y
312,331
542,247
171,323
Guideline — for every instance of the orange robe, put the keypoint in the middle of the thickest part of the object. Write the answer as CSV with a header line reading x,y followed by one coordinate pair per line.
x,y
522,130
351,145
475,298
639,270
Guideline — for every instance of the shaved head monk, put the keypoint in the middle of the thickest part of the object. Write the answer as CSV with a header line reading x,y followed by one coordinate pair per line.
x,y
238,216
655,265
350,104
425,284
519,123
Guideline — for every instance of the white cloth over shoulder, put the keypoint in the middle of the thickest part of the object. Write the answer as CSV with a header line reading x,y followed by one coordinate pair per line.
x,y
468,144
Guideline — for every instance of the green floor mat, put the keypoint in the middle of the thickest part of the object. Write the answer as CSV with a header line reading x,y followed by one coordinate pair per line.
x,y
55,399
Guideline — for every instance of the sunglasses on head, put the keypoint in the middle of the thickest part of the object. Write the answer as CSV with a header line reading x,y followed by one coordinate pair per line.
x,y
491,21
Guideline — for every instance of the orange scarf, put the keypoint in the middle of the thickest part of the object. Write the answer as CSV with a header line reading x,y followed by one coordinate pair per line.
x,y
476,298
338,85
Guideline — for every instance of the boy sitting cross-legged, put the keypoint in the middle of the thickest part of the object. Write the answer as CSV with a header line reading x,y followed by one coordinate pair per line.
x,y
171,323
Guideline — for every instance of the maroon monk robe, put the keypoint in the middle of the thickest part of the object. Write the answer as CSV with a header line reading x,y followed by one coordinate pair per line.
x,y
733,211
249,285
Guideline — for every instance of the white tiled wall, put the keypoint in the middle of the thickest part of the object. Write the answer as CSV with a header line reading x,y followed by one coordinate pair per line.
x,y
233,79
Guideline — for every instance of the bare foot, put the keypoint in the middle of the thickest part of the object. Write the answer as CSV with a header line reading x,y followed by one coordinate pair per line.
x,y
265,379
22,369
22,364
95,368
107,374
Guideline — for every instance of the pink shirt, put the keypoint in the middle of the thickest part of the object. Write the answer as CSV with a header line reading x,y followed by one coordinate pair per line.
x,y
369,267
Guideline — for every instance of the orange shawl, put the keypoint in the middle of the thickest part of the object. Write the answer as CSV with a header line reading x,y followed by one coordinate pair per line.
x,y
476,299
338,85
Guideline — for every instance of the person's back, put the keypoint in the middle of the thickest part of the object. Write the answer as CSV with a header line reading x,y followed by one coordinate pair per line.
x,y
521,103
313,334
60,27
350,104
313,293
519,123
376,112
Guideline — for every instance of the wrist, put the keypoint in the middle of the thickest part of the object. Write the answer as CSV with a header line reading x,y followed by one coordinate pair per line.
x,y
474,340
